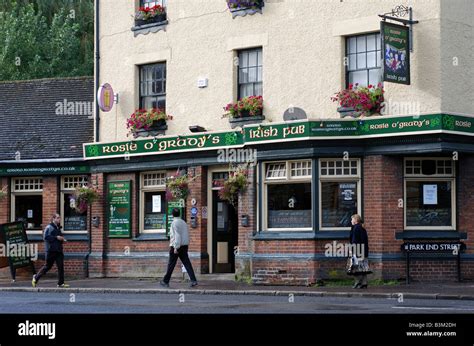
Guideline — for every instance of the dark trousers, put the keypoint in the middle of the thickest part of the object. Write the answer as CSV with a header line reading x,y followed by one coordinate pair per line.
x,y
183,256
52,257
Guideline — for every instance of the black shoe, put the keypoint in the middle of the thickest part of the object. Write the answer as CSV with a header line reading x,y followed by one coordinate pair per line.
x,y
164,284
193,283
363,286
357,285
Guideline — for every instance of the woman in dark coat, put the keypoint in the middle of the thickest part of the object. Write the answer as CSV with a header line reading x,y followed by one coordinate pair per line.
x,y
360,247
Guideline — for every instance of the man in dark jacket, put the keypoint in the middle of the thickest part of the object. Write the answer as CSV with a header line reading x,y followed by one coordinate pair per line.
x,y
53,242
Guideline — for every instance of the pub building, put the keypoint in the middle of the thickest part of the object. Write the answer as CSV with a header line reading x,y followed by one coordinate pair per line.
x,y
408,171
44,124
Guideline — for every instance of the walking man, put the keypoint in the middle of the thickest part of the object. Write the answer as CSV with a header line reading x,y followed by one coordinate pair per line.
x,y
179,241
53,242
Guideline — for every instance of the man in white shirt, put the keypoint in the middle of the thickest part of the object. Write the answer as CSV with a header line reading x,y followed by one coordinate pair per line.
x,y
179,242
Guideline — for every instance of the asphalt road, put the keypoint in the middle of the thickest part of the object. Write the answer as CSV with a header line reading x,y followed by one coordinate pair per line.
x,y
42,302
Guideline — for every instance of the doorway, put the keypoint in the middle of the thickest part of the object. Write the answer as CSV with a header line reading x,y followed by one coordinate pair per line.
x,y
224,234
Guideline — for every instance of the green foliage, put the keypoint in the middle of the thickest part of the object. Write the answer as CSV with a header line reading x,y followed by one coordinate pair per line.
x,y
44,39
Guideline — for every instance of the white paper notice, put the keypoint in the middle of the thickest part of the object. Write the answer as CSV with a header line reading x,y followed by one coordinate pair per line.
x,y
430,194
156,204
30,213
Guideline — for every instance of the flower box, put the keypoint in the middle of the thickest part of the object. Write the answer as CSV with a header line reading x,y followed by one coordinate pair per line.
x,y
240,122
152,20
358,101
244,7
145,123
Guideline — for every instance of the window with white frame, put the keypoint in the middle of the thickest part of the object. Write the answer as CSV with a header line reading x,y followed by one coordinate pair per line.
x,y
288,195
250,75
27,202
339,192
430,193
364,59
74,219
153,202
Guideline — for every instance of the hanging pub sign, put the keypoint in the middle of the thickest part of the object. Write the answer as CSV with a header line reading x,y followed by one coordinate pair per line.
x,y
396,53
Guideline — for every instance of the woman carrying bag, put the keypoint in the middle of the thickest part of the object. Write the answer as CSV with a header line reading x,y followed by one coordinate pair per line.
x,y
359,262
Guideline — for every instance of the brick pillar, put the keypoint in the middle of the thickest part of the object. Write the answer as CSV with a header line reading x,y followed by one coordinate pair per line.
x,y
50,199
465,209
4,202
98,243
247,206
383,188
198,235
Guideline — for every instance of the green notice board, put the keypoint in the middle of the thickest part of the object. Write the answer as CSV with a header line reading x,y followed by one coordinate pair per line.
x,y
119,209
180,204
13,236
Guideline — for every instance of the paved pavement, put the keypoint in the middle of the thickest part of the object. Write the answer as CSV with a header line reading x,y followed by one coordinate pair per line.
x,y
439,291
189,303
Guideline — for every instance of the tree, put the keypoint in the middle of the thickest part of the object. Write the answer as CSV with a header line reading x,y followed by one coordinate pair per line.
x,y
46,39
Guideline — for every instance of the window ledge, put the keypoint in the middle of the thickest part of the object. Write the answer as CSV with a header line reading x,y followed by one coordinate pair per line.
x,y
69,237
151,236
301,235
147,28
430,235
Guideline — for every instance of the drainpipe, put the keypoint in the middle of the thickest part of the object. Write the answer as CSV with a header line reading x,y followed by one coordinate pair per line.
x,y
97,68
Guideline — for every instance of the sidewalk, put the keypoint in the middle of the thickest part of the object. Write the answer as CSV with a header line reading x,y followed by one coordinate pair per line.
x,y
454,290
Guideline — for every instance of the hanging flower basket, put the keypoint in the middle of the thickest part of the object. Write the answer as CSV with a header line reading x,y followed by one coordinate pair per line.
x,y
357,101
177,186
234,185
3,193
83,197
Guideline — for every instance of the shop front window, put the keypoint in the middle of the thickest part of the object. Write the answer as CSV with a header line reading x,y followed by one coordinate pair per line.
x,y
288,195
74,220
153,197
27,202
429,194
339,192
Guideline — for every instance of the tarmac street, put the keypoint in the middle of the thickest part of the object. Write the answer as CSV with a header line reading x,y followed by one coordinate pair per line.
x,y
189,303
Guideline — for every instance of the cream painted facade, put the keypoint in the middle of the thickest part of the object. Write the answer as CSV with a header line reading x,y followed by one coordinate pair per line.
x,y
303,44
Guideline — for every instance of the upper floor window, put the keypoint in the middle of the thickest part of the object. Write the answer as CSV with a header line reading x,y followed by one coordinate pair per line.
x,y
153,86
151,3
364,59
250,76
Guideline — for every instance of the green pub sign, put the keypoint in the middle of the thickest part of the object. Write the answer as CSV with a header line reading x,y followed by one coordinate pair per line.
x,y
119,209
13,236
180,204
396,53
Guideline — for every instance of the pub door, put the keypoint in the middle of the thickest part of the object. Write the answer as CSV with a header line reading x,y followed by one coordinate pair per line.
x,y
225,234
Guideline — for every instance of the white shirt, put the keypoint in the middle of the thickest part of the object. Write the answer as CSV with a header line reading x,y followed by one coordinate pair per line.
x,y
179,233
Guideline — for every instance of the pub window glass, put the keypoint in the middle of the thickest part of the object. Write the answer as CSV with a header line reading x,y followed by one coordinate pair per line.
x,y
288,195
73,218
28,202
153,210
339,192
430,193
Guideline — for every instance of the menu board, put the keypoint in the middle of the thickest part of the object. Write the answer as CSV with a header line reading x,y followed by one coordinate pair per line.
x,y
15,240
119,209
